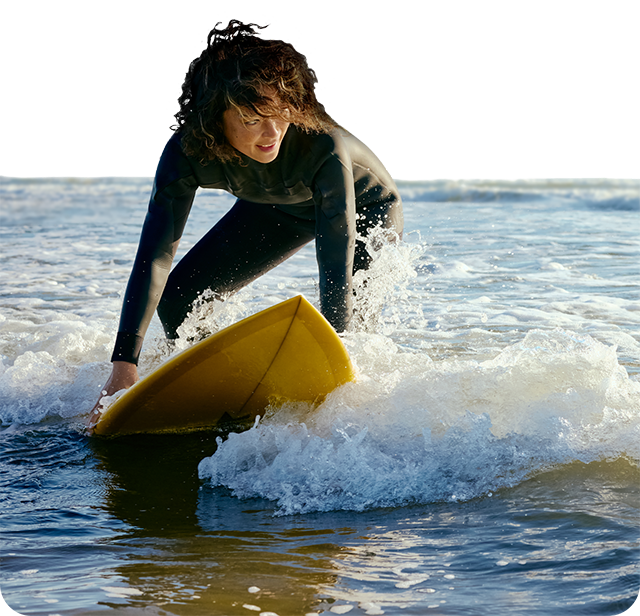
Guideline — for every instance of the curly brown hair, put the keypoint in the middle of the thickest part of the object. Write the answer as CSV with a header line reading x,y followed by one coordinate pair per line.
x,y
240,70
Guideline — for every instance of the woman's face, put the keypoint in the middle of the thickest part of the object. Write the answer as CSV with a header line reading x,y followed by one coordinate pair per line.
x,y
255,136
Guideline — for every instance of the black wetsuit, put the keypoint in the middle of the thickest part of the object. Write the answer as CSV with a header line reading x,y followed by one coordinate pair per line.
x,y
325,187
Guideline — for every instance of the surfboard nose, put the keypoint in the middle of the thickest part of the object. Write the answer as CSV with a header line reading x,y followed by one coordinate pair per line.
x,y
286,352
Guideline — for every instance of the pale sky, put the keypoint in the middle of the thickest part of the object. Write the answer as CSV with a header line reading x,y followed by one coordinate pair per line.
x,y
438,89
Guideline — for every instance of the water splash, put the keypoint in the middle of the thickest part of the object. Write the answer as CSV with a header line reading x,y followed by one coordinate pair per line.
x,y
382,294
410,430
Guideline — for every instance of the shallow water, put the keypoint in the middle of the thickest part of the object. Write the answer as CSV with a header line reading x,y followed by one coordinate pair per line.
x,y
485,461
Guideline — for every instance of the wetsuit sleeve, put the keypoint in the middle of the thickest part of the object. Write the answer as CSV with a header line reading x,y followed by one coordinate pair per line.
x,y
172,195
335,239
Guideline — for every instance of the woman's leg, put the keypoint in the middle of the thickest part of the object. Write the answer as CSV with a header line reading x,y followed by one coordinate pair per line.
x,y
247,242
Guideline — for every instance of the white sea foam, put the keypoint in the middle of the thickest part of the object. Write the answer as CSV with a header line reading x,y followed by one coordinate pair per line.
x,y
411,430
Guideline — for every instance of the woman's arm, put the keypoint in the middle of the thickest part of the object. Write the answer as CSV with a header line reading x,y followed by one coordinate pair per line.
x,y
171,199
173,192
335,240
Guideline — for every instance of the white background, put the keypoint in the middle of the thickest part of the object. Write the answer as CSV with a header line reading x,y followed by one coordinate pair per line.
x,y
448,89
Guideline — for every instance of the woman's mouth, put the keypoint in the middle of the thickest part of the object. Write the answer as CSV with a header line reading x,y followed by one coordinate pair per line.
x,y
267,148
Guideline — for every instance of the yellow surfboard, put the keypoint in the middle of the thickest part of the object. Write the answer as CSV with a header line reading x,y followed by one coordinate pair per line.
x,y
287,352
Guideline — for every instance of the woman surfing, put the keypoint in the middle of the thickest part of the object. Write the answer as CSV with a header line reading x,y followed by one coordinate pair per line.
x,y
250,124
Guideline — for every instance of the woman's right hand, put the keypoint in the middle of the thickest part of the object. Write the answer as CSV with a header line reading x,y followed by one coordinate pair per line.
x,y
123,376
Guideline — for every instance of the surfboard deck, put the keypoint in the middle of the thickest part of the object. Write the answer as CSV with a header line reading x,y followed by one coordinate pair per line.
x,y
288,352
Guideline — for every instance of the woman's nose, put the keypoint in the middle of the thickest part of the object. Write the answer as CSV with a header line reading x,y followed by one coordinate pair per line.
x,y
270,128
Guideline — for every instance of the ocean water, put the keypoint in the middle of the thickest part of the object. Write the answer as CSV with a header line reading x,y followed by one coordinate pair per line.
x,y
486,460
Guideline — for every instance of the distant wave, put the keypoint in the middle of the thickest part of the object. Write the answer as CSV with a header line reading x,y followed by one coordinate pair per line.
x,y
620,195
629,203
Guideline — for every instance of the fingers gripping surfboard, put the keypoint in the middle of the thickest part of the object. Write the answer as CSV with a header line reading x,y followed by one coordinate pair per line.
x,y
286,352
